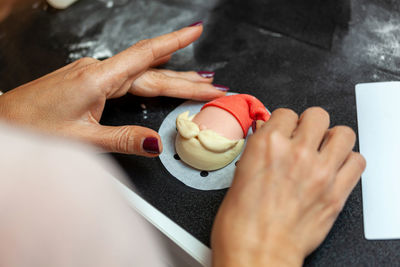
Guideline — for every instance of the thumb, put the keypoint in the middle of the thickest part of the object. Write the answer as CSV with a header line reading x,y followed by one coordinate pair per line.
x,y
127,140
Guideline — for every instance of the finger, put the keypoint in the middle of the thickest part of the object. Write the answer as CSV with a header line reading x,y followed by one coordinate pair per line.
x,y
156,73
154,83
125,139
141,55
203,77
160,61
282,120
338,144
348,176
312,126
260,148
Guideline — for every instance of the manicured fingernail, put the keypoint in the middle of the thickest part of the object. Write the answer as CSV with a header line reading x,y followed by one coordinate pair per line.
x,y
254,126
198,23
206,74
150,145
221,87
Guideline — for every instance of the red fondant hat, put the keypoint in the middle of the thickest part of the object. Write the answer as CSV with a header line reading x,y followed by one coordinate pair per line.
x,y
245,108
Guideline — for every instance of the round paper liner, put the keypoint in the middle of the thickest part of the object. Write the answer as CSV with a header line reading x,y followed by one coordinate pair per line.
x,y
218,179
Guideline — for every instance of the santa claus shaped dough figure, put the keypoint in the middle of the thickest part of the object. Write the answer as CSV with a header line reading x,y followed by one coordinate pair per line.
x,y
212,138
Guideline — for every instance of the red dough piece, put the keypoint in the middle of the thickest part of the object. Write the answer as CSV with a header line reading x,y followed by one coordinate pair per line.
x,y
245,108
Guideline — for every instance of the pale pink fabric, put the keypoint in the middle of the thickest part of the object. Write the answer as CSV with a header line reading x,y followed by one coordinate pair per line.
x,y
59,207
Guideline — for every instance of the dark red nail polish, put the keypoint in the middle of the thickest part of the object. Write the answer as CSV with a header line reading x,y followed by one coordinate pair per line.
x,y
221,87
206,74
150,145
198,23
254,126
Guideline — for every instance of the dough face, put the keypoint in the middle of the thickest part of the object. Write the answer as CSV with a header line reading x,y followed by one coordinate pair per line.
x,y
204,150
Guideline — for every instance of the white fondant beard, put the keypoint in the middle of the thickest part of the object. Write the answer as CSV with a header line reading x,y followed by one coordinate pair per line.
x,y
204,149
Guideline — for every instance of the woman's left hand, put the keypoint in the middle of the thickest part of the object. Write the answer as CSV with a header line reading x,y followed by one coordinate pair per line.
x,y
70,101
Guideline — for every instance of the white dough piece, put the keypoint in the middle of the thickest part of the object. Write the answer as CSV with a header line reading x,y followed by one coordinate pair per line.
x,y
61,4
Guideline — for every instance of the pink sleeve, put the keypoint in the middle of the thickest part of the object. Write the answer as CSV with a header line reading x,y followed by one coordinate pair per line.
x,y
59,207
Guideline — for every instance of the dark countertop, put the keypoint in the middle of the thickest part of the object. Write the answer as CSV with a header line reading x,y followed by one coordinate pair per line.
x,y
288,53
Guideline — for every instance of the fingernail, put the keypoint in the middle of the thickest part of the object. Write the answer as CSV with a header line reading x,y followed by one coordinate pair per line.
x,y
198,23
221,87
206,74
254,126
150,145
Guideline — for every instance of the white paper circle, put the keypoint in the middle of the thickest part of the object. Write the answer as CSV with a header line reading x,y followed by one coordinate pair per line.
x,y
218,179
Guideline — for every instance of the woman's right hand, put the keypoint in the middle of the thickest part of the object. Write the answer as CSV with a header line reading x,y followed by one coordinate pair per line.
x,y
290,185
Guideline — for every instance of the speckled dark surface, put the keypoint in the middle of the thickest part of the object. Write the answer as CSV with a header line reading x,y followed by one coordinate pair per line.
x,y
288,53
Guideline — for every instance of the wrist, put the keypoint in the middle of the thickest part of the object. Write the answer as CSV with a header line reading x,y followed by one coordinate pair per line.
x,y
283,250
276,250
282,259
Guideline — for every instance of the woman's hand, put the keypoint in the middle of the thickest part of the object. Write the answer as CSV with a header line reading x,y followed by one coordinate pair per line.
x,y
290,185
70,101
